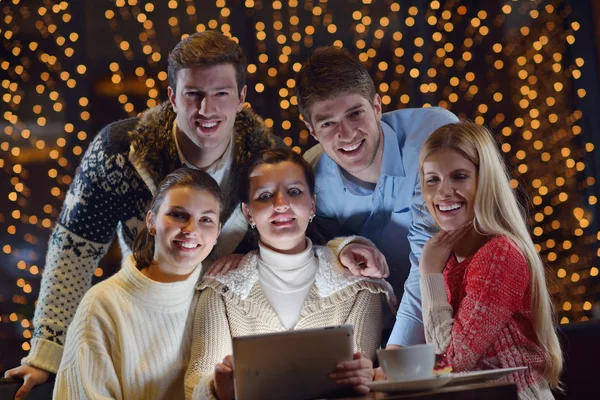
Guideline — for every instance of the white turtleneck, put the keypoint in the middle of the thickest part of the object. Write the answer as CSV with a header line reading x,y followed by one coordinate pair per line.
x,y
130,339
286,280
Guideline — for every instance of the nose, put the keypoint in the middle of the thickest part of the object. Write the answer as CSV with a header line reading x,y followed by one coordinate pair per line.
x,y
190,228
207,106
346,130
281,203
446,189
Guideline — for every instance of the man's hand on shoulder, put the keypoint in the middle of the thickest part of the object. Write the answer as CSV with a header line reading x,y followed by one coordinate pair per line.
x,y
364,260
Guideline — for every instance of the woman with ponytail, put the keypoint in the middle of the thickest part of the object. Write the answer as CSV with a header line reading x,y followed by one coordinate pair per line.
x,y
131,335
484,294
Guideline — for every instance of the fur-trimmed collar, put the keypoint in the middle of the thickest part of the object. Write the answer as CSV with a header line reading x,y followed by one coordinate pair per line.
x,y
154,154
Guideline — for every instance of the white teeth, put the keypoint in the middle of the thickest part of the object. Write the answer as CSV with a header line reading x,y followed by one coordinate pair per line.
x,y
284,220
450,207
350,148
188,245
209,125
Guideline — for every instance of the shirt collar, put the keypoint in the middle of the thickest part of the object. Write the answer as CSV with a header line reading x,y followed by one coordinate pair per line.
x,y
391,164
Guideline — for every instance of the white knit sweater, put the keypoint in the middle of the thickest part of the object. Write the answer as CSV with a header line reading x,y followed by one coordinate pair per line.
x,y
130,339
235,305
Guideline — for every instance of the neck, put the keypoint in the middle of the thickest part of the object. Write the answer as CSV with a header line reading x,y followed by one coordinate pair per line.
x,y
201,158
287,247
469,245
159,273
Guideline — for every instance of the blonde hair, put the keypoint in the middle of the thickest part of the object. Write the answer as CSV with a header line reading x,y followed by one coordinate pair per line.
x,y
497,212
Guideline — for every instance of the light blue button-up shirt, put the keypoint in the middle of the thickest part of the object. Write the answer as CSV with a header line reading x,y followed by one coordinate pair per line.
x,y
392,215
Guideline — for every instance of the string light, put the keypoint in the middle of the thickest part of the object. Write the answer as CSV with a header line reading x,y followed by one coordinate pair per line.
x,y
490,80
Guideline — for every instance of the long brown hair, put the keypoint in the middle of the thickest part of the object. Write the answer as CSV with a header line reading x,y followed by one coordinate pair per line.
x,y
143,246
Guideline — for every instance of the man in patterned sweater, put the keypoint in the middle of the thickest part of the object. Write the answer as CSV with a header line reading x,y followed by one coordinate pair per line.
x,y
204,125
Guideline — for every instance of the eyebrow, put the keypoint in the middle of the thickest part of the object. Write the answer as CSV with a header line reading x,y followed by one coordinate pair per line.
x,y
298,183
213,89
179,208
323,117
451,172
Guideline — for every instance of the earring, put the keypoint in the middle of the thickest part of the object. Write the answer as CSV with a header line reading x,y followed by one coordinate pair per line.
x,y
311,218
152,232
252,225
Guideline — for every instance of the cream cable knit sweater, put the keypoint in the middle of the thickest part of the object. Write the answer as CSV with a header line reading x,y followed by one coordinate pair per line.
x,y
130,339
235,305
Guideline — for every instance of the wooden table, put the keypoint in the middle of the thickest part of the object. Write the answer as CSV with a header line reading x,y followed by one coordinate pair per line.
x,y
473,391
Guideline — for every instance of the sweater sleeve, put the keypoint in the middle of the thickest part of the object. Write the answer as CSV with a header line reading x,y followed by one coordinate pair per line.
x,y
87,370
93,206
91,376
365,315
211,342
496,283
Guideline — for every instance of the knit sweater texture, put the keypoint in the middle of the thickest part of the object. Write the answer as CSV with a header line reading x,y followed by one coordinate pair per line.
x,y
130,339
111,192
235,305
478,313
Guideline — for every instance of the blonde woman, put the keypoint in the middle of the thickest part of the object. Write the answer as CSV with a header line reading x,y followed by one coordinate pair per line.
x,y
484,295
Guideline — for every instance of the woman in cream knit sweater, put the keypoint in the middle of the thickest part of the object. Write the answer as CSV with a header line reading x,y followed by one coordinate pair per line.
x,y
287,284
131,335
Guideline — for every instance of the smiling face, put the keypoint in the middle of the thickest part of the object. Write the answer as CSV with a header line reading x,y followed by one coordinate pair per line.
x,y
280,205
348,128
449,187
206,102
187,226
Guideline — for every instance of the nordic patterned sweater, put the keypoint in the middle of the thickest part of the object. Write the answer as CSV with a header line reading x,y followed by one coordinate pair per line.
x,y
478,313
112,189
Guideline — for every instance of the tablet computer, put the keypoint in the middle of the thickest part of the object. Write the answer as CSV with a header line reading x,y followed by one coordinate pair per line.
x,y
291,365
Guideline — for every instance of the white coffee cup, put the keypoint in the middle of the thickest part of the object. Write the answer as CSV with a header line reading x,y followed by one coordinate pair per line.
x,y
408,363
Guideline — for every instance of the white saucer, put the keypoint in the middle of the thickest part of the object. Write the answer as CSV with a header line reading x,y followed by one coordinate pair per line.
x,y
430,383
461,378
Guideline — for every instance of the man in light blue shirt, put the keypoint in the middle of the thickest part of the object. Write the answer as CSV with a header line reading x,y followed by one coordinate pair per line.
x,y
366,167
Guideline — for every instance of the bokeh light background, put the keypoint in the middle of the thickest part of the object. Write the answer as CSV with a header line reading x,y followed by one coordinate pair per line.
x,y
527,69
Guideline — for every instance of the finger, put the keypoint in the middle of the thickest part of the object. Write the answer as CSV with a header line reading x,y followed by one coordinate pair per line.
x,y
379,269
232,263
225,266
228,360
379,374
362,389
222,369
366,373
386,272
353,267
371,266
215,267
457,234
350,366
358,362
355,381
13,373
24,390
